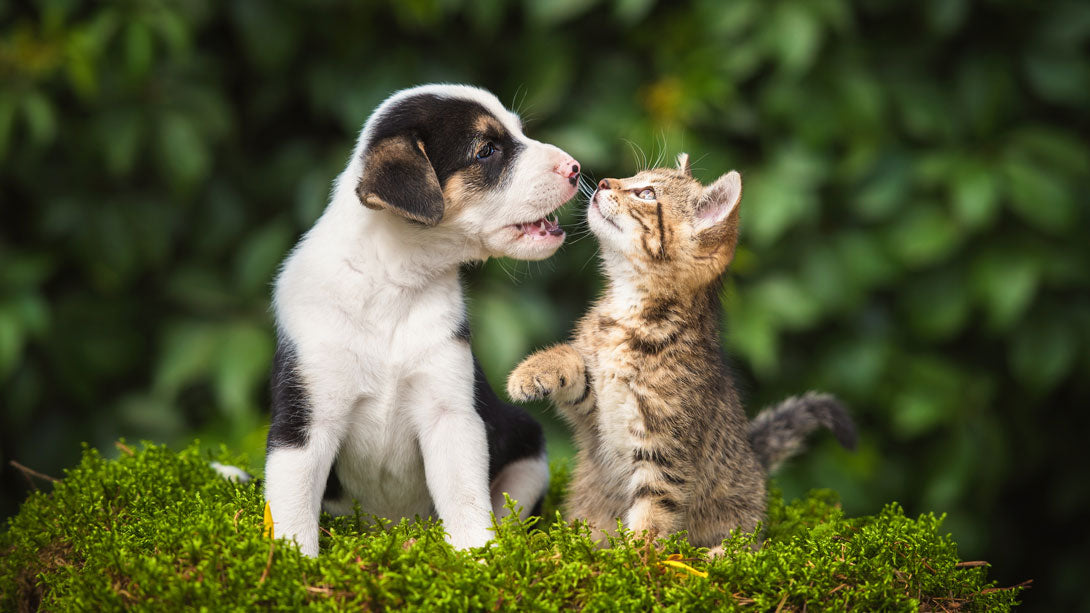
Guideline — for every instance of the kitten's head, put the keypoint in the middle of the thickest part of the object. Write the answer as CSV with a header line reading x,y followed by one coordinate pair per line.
x,y
663,224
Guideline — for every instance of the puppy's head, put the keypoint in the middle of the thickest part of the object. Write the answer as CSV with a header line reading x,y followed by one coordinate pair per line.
x,y
452,157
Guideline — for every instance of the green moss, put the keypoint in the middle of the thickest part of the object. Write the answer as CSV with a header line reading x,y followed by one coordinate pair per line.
x,y
158,530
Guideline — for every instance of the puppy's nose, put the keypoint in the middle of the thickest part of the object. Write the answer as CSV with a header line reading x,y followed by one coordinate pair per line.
x,y
567,168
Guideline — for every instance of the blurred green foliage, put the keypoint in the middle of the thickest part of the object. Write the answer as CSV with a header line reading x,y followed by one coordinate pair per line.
x,y
914,222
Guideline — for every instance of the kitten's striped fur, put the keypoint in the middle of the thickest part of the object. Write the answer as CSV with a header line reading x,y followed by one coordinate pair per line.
x,y
663,442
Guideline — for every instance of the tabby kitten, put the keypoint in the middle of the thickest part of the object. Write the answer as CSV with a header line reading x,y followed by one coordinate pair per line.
x,y
663,442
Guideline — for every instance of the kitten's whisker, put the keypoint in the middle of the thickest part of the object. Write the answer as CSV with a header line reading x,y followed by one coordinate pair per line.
x,y
661,158
637,155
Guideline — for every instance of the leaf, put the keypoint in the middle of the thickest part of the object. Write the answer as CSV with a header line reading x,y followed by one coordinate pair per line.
x,y
786,301
151,416
40,118
121,133
632,11
139,51
928,395
259,256
1059,77
243,363
186,354
486,15
794,34
938,305
779,198
183,154
11,340
7,121
172,30
1004,284
1039,197
771,207
923,236
946,16
1043,351
499,328
824,280
267,522
1052,148
924,108
958,460
751,332
310,198
675,560
856,365
865,259
886,190
974,195
556,11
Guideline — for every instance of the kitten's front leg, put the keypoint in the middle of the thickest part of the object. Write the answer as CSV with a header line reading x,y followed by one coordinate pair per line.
x,y
657,487
558,372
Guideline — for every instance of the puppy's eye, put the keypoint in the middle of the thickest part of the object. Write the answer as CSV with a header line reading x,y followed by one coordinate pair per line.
x,y
646,194
486,151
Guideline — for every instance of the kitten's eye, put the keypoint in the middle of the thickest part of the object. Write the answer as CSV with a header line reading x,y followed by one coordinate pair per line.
x,y
646,194
486,151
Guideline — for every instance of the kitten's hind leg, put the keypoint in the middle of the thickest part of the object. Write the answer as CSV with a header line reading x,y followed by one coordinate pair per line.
x,y
656,512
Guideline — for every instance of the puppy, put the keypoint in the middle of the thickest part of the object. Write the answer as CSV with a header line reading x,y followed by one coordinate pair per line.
x,y
376,396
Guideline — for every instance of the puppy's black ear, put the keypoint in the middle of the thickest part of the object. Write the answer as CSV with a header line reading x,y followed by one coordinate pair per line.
x,y
398,176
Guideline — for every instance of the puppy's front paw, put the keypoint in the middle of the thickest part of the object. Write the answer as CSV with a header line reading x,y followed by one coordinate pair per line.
x,y
469,539
527,382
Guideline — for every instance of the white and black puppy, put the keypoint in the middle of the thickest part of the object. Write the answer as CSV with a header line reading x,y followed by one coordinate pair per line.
x,y
376,397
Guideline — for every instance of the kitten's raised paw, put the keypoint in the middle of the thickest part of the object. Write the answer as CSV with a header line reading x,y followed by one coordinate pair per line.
x,y
556,371
526,383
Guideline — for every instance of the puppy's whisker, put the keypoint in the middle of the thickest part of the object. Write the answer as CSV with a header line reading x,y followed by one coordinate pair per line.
x,y
507,273
515,102
593,256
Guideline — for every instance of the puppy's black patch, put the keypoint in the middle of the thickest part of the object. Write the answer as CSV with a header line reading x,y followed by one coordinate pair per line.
x,y
290,405
463,333
398,175
453,135
512,433
333,488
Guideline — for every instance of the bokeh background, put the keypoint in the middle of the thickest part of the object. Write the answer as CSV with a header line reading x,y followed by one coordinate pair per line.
x,y
915,225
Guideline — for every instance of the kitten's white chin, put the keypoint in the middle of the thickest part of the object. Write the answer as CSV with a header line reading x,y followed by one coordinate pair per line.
x,y
608,233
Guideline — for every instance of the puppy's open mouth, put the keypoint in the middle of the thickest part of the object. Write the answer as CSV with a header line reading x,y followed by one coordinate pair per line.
x,y
542,228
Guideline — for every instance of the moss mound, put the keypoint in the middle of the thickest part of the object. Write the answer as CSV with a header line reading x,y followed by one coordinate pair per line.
x,y
158,530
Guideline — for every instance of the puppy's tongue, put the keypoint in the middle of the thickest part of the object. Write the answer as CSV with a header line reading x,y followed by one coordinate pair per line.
x,y
542,227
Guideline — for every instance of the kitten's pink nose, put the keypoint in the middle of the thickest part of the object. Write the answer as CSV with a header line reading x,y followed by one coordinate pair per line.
x,y
604,184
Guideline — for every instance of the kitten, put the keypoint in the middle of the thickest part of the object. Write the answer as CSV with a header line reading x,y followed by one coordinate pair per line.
x,y
663,442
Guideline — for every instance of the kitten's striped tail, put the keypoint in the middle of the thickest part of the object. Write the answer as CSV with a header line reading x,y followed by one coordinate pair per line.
x,y
779,432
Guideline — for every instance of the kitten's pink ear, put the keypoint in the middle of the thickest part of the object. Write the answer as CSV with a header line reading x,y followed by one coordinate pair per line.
x,y
719,200
683,164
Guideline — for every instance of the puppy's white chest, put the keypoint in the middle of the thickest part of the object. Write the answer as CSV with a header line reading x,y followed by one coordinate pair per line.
x,y
380,466
380,463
